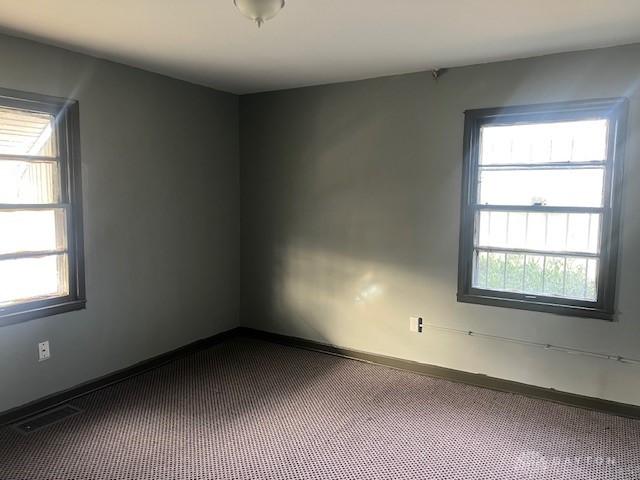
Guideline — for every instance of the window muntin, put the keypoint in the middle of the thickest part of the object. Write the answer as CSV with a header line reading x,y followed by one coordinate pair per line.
x,y
538,225
40,211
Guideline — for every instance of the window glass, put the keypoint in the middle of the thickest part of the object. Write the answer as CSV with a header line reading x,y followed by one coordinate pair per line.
x,y
582,141
24,132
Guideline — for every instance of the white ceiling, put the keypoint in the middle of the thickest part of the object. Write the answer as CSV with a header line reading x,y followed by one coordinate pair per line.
x,y
318,41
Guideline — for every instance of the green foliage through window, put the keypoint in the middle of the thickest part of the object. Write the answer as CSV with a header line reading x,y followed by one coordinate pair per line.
x,y
560,276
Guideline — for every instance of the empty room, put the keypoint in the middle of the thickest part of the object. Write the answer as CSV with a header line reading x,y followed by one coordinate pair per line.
x,y
303,239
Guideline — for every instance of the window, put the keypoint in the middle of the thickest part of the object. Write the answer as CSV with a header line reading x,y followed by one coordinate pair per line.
x,y
41,255
540,207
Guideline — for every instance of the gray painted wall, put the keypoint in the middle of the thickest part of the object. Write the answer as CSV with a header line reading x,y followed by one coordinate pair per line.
x,y
355,185
161,213
344,188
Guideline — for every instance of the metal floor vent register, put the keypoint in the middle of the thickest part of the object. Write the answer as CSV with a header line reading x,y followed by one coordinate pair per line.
x,y
46,419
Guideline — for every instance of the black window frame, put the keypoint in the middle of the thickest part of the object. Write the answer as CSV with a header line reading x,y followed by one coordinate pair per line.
x,y
66,114
615,110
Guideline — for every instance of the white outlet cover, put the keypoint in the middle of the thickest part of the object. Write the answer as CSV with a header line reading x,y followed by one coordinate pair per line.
x,y
44,353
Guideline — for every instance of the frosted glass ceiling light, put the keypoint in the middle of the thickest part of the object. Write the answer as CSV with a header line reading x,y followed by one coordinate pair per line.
x,y
259,10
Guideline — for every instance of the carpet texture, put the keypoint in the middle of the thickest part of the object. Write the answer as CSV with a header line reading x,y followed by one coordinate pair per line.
x,y
248,409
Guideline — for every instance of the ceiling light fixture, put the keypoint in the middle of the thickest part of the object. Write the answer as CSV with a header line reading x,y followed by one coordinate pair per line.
x,y
259,10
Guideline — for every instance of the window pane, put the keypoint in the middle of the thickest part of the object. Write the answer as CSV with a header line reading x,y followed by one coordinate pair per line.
x,y
592,279
564,232
514,275
33,278
29,182
27,133
480,270
576,281
496,271
554,276
583,233
32,230
557,276
544,142
493,229
534,274
565,188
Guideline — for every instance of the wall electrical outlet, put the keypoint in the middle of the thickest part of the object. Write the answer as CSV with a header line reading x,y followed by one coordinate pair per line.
x,y
43,351
415,324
